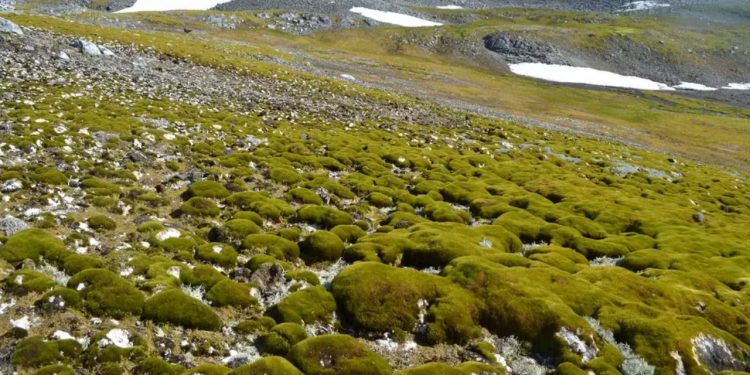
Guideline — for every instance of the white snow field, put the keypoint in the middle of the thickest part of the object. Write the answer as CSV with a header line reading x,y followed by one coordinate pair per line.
x,y
588,76
450,7
737,86
393,18
165,5
643,5
694,87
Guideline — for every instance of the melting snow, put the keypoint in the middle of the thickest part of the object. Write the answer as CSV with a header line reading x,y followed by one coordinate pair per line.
x,y
588,76
165,5
737,86
643,5
450,7
393,18
694,87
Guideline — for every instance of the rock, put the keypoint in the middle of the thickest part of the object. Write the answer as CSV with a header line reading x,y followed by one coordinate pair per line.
x,y
136,156
106,51
11,186
268,277
87,48
9,27
63,56
714,354
698,217
10,225
516,49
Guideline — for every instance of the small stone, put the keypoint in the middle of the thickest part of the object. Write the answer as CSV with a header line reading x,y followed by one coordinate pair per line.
x,y
698,217
87,48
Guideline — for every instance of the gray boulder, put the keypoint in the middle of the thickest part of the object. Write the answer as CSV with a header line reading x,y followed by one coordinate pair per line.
x,y
10,225
87,48
9,27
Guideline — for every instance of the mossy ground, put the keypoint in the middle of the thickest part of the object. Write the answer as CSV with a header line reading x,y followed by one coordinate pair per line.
x,y
453,234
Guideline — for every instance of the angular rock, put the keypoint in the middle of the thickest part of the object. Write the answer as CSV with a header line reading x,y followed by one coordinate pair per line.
x,y
10,225
87,48
7,26
11,186
268,277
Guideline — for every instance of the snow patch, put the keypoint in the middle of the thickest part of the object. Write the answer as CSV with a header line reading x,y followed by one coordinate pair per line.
x,y
450,7
166,5
393,18
642,5
694,87
588,76
737,86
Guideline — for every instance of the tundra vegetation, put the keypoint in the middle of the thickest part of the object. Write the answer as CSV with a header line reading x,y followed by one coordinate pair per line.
x,y
186,235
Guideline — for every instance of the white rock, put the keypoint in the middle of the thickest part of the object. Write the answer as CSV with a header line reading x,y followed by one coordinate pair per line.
x,y
62,335
167,234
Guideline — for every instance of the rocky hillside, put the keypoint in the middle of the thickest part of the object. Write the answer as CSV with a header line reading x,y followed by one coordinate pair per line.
x,y
175,203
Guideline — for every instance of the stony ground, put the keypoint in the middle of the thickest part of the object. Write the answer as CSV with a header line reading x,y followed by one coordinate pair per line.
x,y
163,216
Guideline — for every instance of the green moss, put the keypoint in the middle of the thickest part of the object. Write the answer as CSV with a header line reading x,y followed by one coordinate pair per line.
x,y
175,307
306,276
382,298
204,275
105,293
281,338
209,369
207,189
230,293
272,245
250,215
309,305
27,281
292,233
234,231
154,366
35,352
150,227
199,206
441,368
326,217
32,244
49,176
69,296
322,245
585,226
99,187
55,370
101,223
379,200
348,233
271,365
256,325
219,253
304,196
77,262
286,176
336,354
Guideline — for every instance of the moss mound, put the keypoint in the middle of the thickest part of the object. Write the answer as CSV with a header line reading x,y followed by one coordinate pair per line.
x,y
336,354
175,307
309,305
322,245
32,244
105,293
271,365
278,247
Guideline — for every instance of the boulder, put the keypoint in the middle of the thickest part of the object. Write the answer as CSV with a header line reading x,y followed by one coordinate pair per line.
x,y
87,48
7,26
